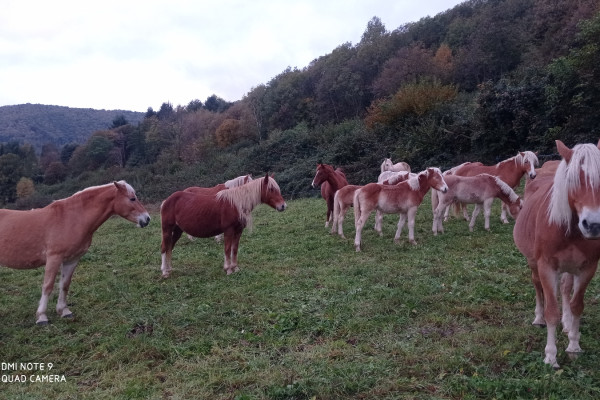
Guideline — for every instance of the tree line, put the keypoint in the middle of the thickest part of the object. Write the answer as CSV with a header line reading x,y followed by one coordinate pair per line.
x,y
478,82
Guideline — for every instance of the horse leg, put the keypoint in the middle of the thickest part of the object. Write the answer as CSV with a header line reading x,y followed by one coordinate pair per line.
x,y
340,226
474,217
412,212
379,222
549,280
364,214
52,266
539,295
503,214
566,290
487,211
401,222
170,236
235,242
580,283
67,270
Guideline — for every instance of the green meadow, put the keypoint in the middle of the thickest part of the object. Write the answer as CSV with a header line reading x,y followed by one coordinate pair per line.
x,y
306,318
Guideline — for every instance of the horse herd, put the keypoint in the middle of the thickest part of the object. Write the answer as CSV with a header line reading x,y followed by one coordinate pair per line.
x,y
557,221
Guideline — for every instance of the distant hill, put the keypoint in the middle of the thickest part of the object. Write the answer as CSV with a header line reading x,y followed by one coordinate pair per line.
x,y
39,124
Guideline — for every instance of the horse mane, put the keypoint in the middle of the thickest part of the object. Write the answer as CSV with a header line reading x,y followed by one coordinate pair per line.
x,y
130,190
521,157
244,198
414,181
239,181
507,190
586,158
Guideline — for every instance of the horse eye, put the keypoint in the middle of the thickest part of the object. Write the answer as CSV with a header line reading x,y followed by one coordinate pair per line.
x,y
132,199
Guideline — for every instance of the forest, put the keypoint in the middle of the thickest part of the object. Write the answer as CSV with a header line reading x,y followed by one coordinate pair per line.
x,y
478,82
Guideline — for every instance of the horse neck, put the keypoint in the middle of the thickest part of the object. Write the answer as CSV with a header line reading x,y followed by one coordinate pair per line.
x,y
423,185
92,207
336,181
503,192
509,171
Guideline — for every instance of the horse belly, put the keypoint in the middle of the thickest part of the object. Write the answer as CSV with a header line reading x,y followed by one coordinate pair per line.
x,y
20,249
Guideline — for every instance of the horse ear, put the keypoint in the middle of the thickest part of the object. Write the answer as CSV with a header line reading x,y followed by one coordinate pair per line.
x,y
267,177
118,185
598,144
564,151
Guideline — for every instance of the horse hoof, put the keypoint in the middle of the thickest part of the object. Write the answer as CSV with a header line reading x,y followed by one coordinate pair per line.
x,y
68,316
414,243
42,323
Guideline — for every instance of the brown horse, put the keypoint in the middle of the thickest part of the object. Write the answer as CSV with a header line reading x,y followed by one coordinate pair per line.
x,y
59,234
403,198
510,171
344,198
557,232
480,190
205,215
330,181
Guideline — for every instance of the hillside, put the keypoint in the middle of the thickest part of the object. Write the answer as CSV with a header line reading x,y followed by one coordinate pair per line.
x,y
38,124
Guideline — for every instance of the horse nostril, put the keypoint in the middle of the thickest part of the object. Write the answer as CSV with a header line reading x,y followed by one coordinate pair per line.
x,y
585,224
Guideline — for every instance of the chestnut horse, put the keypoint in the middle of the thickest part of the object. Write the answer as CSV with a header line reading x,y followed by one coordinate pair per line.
x,y
344,198
510,171
403,198
480,190
388,165
557,232
331,181
59,234
235,182
205,215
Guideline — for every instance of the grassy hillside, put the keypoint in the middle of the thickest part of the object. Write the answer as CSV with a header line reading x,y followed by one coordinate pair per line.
x,y
38,124
305,318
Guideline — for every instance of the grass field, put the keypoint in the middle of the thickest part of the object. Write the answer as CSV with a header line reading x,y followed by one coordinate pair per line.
x,y
306,318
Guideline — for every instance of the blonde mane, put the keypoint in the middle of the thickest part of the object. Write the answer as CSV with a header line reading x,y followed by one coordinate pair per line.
x,y
239,181
414,181
246,197
507,190
586,158
130,190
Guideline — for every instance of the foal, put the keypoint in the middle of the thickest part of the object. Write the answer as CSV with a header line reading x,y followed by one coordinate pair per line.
x,y
330,181
480,190
403,198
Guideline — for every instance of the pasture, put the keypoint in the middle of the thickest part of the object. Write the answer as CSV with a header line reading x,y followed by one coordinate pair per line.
x,y
306,317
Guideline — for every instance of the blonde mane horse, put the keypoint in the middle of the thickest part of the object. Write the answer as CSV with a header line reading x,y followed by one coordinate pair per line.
x,y
558,231
59,234
388,165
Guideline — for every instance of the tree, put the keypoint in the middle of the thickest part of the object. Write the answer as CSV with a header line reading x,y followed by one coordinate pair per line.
x,y
25,188
119,120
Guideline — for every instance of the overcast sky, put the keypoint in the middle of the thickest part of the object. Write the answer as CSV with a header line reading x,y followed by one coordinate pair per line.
x,y
131,54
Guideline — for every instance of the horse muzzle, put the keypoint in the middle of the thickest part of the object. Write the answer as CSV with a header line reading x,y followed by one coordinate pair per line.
x,y
281,207
143,220
590,230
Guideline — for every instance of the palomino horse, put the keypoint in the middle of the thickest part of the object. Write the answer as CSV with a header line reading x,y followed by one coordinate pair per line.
x,y
344,198
510,171
235,182
557,232
388,165
403,198
59,234
480,190
205,215
331,181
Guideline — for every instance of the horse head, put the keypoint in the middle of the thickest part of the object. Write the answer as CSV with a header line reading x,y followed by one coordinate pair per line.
x,y
528,161
127,205
387,165
271,194
323,172
577,188
436,179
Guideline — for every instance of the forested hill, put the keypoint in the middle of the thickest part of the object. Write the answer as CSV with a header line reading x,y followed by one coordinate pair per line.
x,y
38,124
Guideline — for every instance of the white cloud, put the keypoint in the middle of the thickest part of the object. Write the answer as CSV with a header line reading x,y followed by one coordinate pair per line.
x,y
138,54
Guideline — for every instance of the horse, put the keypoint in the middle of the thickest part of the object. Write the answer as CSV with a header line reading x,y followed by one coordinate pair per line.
x,y
58,235
403,198
557,231
480,190
228,211
235,182
344,199
385,178
388,165
510,171
330,181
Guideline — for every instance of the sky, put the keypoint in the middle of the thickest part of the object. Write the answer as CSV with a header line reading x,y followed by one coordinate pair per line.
x,y
132,54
